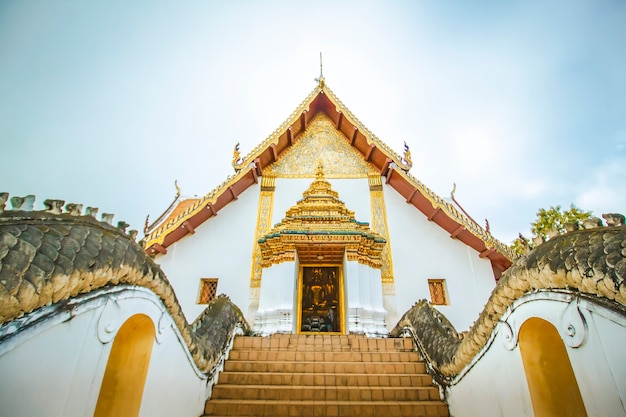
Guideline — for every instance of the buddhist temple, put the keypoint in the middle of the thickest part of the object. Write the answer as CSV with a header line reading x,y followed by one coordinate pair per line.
x,y
321,278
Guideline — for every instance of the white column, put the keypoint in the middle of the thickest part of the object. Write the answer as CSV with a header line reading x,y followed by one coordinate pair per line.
x,y
364,290
353,296
276,302
378,311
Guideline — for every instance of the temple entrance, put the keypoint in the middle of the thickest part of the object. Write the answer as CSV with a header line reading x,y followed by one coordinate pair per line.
x,y
320,300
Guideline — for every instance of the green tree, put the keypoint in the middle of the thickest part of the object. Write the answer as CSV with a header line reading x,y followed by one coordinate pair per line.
x,y
548,223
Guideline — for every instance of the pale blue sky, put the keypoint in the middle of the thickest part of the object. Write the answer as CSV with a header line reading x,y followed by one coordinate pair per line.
x,y
522,104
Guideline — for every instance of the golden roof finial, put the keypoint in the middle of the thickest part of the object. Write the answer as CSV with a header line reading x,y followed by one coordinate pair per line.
x,y
177,188
321,80
407,156
236,156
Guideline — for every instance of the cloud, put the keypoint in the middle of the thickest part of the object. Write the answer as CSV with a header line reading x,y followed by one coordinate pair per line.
x,y
604,192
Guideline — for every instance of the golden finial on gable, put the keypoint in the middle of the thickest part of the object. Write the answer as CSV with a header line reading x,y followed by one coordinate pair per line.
x,y
236,156
408,161
321,81
177,188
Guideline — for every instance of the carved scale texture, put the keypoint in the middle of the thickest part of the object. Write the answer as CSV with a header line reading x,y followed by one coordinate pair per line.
x,y
48,258
592,262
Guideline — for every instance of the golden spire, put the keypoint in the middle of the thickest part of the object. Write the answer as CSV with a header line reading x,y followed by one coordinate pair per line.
x,y
321,81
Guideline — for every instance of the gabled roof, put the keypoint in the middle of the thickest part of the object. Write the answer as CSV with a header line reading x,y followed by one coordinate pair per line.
x,y
374,151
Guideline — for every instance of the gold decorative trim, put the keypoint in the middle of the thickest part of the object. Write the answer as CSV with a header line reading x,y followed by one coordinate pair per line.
x,y
321,141
320,218
263,224
158,235
379,225
371,137
273,137
320,88
452,212
268,182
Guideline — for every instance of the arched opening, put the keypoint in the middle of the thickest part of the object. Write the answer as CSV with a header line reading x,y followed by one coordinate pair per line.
x,y
553,388
125,375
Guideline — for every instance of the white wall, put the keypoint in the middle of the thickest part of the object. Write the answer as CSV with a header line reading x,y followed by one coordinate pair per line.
x,y
277,304
496,385
56,368
220,248
422,250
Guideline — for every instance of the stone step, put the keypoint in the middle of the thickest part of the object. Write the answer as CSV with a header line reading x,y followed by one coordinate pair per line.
x,y
323,342
328,379
321,356
324,375
327,393
390,367
325,408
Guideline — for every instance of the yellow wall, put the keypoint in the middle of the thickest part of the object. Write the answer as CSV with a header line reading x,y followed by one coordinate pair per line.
x,y
126,370
551,380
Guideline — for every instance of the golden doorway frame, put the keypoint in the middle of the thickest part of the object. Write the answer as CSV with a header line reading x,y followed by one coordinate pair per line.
x,y
319,304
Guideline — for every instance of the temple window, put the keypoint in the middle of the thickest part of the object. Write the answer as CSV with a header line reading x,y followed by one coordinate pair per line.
x,y
438,295
208,290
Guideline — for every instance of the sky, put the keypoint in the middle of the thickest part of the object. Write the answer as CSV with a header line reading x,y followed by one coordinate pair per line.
x,y
522,104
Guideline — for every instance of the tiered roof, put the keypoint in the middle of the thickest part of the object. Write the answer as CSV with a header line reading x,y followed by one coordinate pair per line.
x,y
387,162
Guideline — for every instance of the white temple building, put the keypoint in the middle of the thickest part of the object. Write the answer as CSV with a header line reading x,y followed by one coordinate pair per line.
x,y
323,195
349,290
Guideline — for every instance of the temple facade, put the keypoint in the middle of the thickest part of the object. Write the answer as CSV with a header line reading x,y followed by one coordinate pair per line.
x,y
320,278
323,229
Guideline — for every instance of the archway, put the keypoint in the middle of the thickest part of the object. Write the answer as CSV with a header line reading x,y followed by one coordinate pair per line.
x,y
125,375
553,388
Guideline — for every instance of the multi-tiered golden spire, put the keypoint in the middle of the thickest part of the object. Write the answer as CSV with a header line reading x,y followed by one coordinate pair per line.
x,y
320,218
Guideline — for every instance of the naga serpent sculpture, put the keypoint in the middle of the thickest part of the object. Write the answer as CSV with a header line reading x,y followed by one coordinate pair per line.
x,y
48,257
591,262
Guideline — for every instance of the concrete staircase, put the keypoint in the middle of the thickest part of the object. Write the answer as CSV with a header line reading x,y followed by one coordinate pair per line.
x,y
324,375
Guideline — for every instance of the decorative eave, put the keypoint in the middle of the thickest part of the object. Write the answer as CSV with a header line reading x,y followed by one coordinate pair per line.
x,y
449,218
206,207
148,228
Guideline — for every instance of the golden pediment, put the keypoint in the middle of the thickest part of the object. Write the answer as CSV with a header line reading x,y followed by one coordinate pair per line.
x,y
321,141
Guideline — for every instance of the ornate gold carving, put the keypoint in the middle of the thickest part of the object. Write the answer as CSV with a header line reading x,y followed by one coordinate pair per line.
x,y
379,225
375,182
236,156
158,235
268,182
321,88
263,223
371,137
452,212
321,141
408,161
437,289
320,218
